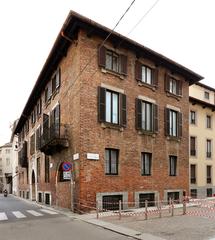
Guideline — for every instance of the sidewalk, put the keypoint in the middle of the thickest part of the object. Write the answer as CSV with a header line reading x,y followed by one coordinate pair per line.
x,y
91,219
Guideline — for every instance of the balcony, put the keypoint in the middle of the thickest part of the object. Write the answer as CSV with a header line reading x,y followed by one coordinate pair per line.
x,y
54,139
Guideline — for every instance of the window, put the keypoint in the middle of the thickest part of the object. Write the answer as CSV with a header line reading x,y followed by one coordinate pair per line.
x,y
48,92
46,169
38,169
173,85
38,138
173,123
56,81
207,95
111,202
40,197
208,121
146,74
113,61
192,174
172,165
193,193
173,195
209,148
209,174
146,116
146,164
27,126
150,197
192,117
112,107
8,161
192,146
47,198
111,161
55,122
209,192
32,144
39,108
33,117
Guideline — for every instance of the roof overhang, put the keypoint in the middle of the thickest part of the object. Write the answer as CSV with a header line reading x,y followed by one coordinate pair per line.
x,y
70,27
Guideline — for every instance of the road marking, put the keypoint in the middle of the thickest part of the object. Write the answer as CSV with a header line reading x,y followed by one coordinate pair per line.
x,y
3,216
48,211
18,214
37,214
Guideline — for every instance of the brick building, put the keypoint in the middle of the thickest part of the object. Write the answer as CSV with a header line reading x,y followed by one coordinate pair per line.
x,y
113,110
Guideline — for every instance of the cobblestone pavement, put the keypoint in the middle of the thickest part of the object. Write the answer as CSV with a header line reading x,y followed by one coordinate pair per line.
x,y
198,224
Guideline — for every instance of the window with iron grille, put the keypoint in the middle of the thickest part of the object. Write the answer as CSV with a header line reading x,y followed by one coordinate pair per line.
x,y
146,164
150,197
111,161
173,195
172,165
111,202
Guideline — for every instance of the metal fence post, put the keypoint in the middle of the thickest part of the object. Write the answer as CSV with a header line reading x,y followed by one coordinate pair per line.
x,y
172,204
120,209
97,209
160,208
146,209
184,207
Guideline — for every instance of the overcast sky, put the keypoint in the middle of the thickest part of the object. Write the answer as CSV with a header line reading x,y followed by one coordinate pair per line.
x,y
182,30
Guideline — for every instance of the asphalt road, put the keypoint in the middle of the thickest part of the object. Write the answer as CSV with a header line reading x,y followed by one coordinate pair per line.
x,y
47,226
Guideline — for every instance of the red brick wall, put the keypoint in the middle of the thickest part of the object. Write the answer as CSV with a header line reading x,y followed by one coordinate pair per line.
x,y
95,139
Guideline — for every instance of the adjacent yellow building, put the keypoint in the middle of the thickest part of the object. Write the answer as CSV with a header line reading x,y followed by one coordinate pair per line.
x,y
202,141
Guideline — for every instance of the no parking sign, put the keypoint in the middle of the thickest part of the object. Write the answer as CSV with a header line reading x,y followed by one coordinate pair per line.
x,y
67,166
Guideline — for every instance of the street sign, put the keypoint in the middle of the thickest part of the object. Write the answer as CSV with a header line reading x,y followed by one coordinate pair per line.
x,y
66,166
66,175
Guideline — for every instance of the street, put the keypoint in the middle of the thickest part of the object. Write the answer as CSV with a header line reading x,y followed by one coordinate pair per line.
x,y
20,220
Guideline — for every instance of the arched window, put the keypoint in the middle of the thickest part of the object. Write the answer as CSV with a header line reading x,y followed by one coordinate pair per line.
x,y
61,174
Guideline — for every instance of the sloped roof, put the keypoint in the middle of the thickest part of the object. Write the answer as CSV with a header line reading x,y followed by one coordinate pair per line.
x,y
70,27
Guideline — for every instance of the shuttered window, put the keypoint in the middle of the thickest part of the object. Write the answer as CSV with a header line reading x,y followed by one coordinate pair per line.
x,y
56,80
47,173
173,123
38,138
112,107
173,85
208,148
112,61
146,74
146,116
